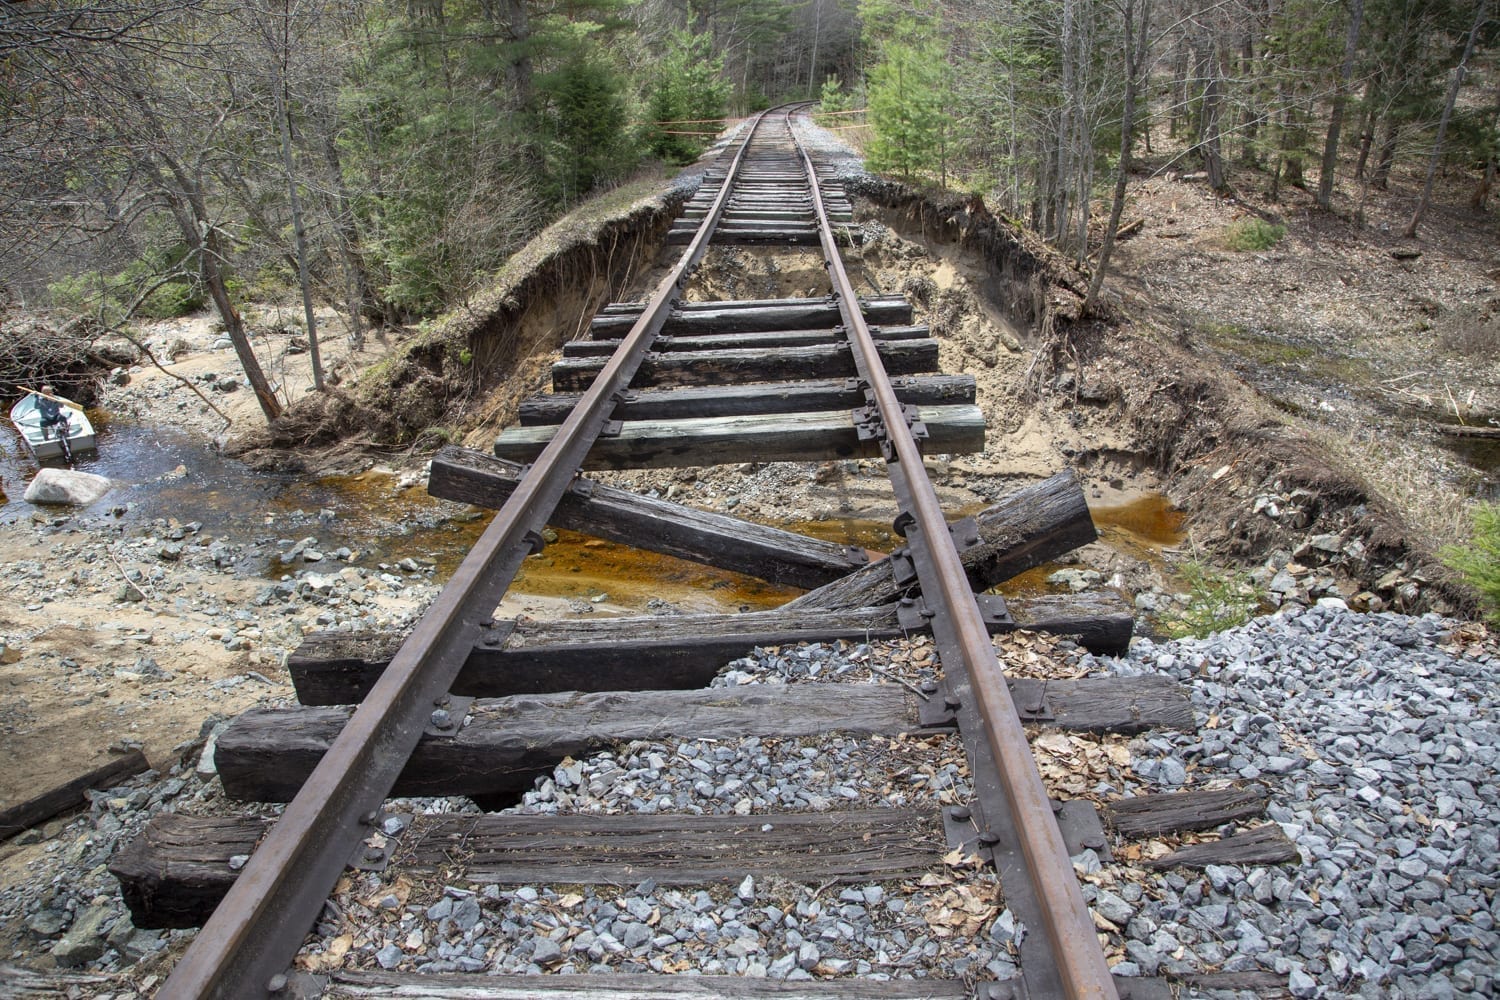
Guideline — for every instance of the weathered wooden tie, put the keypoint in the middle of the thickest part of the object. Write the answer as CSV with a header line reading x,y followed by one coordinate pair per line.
x,y
783,437
726,365
807,396
1027,528
178,869
662,652
744,315
760,340
628,986
506,743
672,529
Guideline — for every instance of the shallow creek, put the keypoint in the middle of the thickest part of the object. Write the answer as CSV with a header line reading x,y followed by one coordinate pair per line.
x,y
166,474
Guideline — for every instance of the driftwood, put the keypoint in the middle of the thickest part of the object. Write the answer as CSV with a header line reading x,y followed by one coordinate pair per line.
x,y
1464,431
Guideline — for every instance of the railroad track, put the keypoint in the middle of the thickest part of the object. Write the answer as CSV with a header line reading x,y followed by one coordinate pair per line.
x,y
466,705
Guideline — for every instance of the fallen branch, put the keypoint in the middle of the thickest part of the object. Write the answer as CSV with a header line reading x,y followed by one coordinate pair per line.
x,y
129,582
1467,431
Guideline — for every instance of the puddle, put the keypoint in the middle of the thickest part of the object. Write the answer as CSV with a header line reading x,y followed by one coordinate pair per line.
x,y
141,460
1482,454
1140,529
167,474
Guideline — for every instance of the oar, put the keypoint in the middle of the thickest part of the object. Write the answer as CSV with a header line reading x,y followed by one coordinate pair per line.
x,y
56,399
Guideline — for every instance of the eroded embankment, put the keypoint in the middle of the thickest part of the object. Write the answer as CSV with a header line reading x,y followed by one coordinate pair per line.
x,y
462,376
1256,485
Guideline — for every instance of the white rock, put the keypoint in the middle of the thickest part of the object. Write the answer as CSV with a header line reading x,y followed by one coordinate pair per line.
x,y
65,486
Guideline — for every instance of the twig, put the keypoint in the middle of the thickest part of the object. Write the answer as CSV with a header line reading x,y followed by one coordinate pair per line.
x,y
1456,413
144,596
825,885
163,369
899,680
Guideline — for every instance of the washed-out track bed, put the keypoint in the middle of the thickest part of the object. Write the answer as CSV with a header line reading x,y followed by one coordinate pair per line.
x,y
834,798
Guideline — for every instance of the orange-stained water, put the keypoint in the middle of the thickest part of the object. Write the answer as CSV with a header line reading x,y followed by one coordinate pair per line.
x,y
164,474
573,566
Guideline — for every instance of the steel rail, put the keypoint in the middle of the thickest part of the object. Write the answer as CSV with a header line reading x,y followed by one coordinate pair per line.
x,y
1068,925
257,929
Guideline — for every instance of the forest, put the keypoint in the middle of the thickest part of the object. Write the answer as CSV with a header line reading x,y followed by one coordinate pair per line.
x,y
383,157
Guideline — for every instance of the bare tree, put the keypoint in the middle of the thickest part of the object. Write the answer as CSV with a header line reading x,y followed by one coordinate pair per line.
x,y
1340,97
1137,47
1442,132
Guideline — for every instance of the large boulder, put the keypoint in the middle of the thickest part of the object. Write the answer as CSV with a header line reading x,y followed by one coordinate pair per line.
x,y
65,486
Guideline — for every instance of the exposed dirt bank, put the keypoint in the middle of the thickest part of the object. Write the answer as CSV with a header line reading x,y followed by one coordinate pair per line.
x,y
1295,450
460,377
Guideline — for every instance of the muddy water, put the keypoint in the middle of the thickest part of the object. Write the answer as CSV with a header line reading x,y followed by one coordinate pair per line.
x,y
1483,456
162,473
165,474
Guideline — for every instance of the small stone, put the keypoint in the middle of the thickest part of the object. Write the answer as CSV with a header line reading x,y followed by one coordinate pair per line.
x,y
85,940
546,952
635,936
1300,984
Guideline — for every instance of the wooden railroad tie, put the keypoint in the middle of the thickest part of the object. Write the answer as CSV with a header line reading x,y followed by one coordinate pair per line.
x,y
174,872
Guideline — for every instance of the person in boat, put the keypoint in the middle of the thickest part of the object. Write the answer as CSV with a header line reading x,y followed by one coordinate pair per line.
x,y
51,413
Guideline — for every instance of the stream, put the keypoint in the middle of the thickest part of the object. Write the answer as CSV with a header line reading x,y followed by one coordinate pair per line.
x,y
163,474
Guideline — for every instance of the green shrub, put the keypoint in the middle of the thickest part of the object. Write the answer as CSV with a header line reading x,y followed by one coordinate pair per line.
x,y
1250,235
1219,601
1479,561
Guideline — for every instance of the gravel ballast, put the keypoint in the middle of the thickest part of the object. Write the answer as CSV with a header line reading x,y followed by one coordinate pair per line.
x,y
1376,735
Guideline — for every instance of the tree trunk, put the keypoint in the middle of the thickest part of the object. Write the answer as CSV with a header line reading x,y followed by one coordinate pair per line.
x,y
190,209
1442,133
1179,90
1480,200
1366,132
1209,146
359,296
1336,117
299,229
1134,60
1387,155
1058,229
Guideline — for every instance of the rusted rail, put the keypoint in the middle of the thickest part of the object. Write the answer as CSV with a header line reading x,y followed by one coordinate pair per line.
x,y
968,659
256,931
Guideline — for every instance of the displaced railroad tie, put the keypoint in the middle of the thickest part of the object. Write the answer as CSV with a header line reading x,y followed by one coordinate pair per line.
x,y
661,384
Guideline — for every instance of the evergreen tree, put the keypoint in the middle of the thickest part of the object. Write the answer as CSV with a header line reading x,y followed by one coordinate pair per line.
x,y
907,111
584,118
687,96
